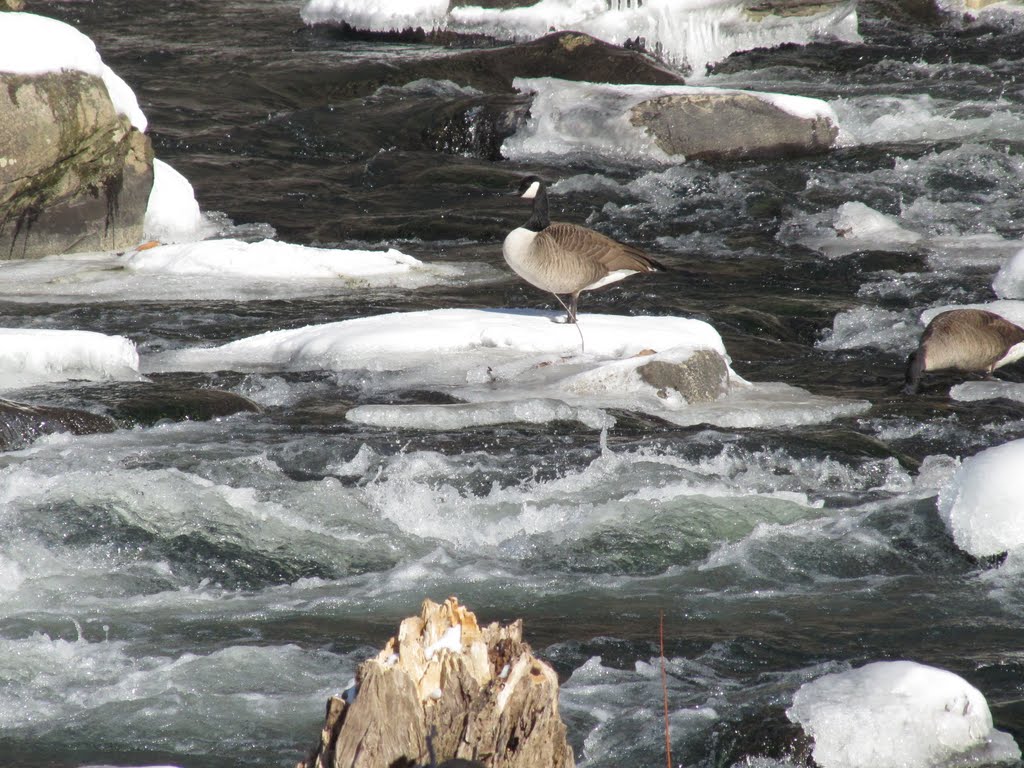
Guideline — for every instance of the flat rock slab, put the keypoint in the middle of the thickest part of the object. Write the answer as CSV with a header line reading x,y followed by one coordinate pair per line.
x,y
730,124
21,424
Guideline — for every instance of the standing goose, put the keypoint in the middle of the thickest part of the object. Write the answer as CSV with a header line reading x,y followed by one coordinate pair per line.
x,y
567,258
964,340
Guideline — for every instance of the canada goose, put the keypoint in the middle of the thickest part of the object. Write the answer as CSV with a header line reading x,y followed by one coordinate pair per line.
x,y
567,258
964,340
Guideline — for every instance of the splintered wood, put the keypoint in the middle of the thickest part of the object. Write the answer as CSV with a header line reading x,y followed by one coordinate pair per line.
x,y
480,692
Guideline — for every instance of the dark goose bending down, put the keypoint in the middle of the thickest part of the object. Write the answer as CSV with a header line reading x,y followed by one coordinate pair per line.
x,y
964,340
567,258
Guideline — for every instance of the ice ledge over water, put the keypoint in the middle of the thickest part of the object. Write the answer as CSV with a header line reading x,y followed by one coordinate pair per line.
x,y
30,356
508,361
690,33
899,714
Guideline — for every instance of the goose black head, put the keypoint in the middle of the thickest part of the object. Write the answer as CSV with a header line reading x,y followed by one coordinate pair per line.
x,y
529,187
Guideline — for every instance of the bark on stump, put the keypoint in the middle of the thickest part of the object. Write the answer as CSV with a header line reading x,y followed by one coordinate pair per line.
x,y
480,692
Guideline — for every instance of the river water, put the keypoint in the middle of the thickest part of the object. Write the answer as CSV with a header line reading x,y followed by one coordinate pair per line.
x,y
191,593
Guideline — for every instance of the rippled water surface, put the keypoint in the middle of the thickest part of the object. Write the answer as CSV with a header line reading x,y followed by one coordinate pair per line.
x,y
192,593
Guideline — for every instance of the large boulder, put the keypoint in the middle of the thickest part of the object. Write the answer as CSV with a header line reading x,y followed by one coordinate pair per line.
x,y
21,424
75,175
731,124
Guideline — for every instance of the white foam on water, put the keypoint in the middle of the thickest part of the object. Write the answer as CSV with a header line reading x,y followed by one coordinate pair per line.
x,y
981,504
580,119
36,355
899,714
1009,280
34,45
922,118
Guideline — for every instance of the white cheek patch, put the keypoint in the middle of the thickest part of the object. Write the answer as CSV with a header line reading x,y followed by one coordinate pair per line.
x,y
531,191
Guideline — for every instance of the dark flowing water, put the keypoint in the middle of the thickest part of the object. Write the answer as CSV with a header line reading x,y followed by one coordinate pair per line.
x,y
192,593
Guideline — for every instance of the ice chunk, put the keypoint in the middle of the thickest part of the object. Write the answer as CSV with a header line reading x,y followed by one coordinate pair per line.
x,y
33,355
452,417
898,714
34,45
981,503
172,215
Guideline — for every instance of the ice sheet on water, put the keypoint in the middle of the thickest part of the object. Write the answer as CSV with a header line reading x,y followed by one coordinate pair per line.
x,y
973,391
229,269
853,227
981,504
455,417
899,714
570,118
32,45
873,327
507,357
36,355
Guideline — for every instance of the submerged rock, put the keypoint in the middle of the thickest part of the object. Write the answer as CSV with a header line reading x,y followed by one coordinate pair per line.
x,y
480,692
75,175
731,124
701,378
21,424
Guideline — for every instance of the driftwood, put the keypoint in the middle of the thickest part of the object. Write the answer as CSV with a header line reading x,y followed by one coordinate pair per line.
x,y
479,693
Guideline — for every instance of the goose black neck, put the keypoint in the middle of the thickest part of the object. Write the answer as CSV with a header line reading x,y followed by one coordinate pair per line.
x,y
539,219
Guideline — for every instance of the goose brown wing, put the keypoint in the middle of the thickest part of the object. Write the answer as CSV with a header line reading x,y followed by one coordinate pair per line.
x,y
592,247
969,339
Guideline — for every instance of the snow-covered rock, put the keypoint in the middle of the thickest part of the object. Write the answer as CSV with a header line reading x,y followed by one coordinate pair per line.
x,y
512,357
899,714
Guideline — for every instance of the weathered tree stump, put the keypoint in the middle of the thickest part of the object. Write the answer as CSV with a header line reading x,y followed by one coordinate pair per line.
x,y
480,692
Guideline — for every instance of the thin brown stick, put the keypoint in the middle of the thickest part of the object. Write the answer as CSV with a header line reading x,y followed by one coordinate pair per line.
x,y
664,687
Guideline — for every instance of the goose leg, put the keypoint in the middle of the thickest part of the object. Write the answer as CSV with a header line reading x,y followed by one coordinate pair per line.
x,y
572,308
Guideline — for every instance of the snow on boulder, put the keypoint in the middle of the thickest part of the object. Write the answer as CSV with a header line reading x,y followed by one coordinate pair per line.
x,y
899,714
664,123
981,504
36,45
269,259
32,356
1009,280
